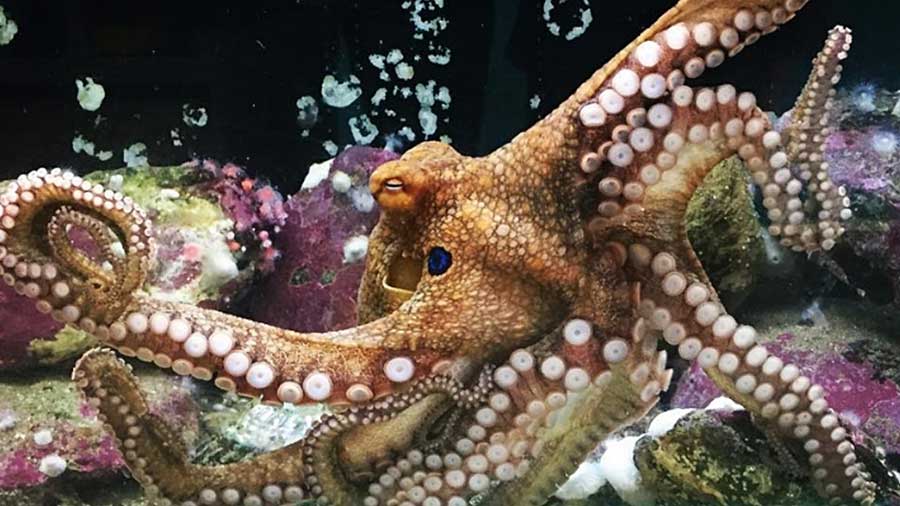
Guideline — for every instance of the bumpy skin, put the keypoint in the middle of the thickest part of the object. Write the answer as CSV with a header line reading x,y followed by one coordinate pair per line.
x,y
493,376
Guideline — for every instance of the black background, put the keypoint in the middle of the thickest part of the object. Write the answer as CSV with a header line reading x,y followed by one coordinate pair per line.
x,y
248,62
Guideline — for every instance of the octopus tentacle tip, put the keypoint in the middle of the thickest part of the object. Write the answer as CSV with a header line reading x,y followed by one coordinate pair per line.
x,y
512,304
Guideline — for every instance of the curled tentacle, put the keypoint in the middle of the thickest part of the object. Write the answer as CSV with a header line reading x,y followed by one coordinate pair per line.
x,y
158,459
41,214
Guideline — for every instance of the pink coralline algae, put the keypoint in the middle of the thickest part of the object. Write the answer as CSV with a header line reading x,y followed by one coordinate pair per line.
x,y
854,390
863,154
314,285
21,324
865,159
76,436
251,203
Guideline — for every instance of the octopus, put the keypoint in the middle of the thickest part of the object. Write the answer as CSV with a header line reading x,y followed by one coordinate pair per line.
x,y
516,308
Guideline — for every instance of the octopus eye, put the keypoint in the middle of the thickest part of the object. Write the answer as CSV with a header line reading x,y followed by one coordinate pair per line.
x,y
439,260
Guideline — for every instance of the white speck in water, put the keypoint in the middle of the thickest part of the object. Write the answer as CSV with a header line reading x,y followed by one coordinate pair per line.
x,y
307,112
194,116
363,130
379,96
428,121
408,133
90,94
394,56
584,18
535,102
330,147
404,71
82,145
340,93
8,28
442,57
443,96
377,61
135,155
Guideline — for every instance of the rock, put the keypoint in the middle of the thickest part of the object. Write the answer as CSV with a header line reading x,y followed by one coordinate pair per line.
x,y
314,285
718,457
56,436
22,324
725,231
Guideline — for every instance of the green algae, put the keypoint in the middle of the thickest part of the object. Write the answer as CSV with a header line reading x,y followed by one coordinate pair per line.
x,y
39,399
152,188
68,344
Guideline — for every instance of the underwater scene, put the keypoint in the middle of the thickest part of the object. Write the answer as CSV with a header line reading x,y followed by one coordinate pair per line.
x,y
450,253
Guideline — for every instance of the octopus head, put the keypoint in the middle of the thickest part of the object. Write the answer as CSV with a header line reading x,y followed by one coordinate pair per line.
x,y
462,254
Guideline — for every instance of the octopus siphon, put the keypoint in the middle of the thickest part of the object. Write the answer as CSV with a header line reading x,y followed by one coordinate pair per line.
x,y
516,308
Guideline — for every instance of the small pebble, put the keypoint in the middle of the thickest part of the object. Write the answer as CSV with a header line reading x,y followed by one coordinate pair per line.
x,y
52,465
43,437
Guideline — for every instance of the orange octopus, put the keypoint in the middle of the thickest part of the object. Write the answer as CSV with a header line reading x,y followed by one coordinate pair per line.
x,y
515,309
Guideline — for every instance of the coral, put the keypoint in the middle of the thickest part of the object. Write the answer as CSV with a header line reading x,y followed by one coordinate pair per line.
x,y
315,282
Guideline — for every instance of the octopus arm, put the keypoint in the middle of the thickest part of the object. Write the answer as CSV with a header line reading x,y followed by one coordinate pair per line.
x,y
83,252
527,423
343,367
157,456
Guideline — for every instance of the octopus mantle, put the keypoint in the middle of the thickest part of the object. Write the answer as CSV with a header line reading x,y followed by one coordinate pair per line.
x,y
516,308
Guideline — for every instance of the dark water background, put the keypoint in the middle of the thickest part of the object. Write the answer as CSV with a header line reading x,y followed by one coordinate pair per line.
x,y
248,62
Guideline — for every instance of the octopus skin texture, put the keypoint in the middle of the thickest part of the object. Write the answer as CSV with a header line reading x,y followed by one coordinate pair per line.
x,y
515,309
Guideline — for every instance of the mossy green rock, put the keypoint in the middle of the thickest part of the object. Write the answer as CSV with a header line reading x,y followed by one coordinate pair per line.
x,y
715,457
724,229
